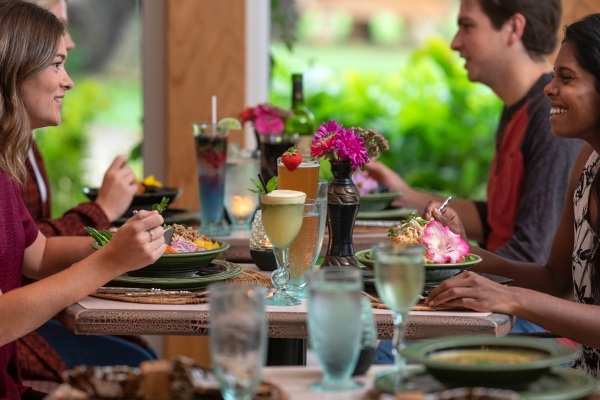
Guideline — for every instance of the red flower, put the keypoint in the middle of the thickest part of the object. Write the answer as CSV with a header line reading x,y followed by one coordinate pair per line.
x,y
247,115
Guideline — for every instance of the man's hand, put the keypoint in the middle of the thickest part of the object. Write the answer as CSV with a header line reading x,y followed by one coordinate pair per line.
x,y
118,188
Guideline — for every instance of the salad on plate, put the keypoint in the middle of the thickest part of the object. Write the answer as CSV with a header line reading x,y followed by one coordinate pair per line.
x,y
442,245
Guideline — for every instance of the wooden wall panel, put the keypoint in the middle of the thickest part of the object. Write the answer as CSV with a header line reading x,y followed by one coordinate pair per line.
x,y
205,50
572,11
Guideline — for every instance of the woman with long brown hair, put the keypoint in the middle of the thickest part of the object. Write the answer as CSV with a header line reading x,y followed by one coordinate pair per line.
x,y
32,85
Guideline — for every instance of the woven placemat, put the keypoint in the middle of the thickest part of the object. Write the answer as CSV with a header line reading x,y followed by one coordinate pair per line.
x,y
248,277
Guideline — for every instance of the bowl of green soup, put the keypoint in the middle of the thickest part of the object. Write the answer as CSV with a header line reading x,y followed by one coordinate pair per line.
x,y
487,360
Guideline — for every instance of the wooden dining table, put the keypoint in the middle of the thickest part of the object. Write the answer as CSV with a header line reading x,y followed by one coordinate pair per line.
x,y
94,316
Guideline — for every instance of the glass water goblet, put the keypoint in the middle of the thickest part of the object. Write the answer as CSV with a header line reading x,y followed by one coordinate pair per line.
x,y
282,217
335,325
399,279
238,338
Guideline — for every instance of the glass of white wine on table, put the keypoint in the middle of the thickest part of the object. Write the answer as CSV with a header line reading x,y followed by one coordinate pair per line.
x,y
399,279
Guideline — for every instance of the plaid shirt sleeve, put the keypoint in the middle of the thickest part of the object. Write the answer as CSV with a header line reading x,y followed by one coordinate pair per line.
x,y
72,222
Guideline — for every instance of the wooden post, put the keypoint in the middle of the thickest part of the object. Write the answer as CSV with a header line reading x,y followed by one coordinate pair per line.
x,y
205,56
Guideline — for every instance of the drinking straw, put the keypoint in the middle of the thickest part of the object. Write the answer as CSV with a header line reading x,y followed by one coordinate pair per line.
x,y
262,180
214,115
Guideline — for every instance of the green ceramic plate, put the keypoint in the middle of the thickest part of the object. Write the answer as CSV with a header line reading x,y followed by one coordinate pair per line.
x,y
434,273
557,384
180,264
393,214
377,201
219,270
488,370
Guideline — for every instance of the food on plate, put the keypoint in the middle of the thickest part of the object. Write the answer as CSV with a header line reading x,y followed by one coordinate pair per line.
x,y
488,356
148,184
441,244
188,239
184,240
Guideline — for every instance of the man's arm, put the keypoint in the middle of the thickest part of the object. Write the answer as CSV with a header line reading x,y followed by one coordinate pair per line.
x,y
412,198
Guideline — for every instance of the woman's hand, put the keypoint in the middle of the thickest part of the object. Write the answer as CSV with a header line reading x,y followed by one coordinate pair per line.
x,y
138,243
447,217
473,291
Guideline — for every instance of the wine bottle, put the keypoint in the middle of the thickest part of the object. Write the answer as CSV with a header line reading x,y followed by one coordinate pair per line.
x,y
302,123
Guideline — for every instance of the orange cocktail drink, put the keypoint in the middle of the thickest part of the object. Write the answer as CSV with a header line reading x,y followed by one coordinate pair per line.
x,y
305,179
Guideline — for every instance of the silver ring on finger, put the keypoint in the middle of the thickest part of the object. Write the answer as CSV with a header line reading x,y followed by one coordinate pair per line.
x,y
151,235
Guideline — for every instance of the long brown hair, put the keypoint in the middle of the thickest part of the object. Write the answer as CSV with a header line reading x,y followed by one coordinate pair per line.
x,y
29,39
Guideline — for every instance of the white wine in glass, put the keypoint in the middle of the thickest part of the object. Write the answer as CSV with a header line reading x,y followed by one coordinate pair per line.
x,y
399,279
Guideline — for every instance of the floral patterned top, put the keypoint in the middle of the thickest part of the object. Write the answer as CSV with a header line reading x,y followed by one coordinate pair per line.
x,y
589,360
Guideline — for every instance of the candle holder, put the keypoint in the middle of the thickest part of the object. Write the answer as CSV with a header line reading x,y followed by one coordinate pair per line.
x,y
240,203
261,249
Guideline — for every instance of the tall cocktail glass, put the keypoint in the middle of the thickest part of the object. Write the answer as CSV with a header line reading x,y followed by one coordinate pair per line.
x,y
399,279
282,215
335,324
211,152
305,249
239,201
238,338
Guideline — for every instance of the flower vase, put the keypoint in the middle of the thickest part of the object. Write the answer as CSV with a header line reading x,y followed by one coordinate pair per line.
x,y
343,202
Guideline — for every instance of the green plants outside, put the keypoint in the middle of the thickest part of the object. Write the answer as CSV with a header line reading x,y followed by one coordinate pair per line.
x,y
65,146
440,125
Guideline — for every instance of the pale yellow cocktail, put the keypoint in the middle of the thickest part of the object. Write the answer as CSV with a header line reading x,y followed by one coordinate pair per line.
x,y
282,214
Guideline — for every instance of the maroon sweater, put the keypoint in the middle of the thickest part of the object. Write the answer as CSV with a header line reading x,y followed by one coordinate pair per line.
x,y
17,232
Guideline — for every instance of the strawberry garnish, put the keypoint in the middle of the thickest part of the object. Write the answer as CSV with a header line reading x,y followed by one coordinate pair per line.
x,y
291,159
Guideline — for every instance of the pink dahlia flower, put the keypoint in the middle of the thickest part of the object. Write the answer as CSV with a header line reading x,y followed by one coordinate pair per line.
x,y
348,146
267,120
324,140
443,246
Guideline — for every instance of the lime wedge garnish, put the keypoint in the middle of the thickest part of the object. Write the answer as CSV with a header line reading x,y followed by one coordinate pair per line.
x,y
229,123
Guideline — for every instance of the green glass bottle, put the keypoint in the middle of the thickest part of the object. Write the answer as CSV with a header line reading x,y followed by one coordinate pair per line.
x,y
302,123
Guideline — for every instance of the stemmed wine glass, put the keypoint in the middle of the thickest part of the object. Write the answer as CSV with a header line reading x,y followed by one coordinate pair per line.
x,y
399,279
282,217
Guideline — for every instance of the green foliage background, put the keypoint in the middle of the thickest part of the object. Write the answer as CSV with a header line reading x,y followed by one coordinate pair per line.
x,y
65,146
439,124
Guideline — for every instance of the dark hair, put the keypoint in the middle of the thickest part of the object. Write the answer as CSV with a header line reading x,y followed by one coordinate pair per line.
x,y
29,39
584,36
542,16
